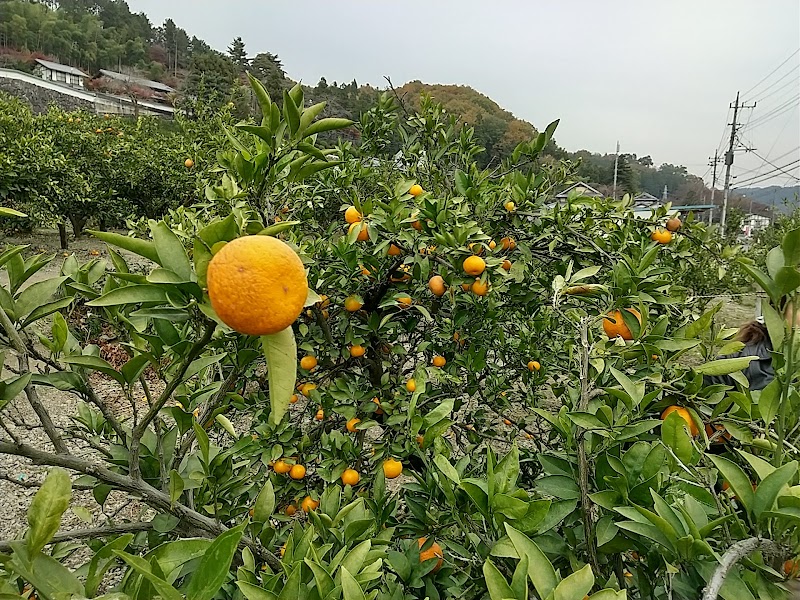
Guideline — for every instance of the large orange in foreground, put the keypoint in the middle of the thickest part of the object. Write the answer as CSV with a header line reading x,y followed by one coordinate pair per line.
x,y
257,285
435,551
614,325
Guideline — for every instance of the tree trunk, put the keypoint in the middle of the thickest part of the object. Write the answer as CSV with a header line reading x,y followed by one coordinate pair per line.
x,y
62,235
78,223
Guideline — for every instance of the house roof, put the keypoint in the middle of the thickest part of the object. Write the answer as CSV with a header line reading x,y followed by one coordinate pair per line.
x,y
646,198
54,66
153,85
587,190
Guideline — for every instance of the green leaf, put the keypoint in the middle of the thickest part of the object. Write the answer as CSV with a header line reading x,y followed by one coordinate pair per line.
x,y
142,567
36,295
519,580
95,363
675,435
103,560
143,248
736,478
791,247
495,582
290,112
176,486
350,588
264,101
575,586
171,253
768,490
201,364
776,325
724,366
702,324
213,569
12,387
540,569
132,369
787,280
10,212
277,228
280,350
328,124
48,576
323,579
253,592
769,401
634,390
763,281
132,294
309,114
447,469
46,310
265,503
47,508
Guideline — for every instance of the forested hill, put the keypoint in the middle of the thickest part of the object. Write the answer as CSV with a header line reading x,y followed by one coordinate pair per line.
x,y
105,34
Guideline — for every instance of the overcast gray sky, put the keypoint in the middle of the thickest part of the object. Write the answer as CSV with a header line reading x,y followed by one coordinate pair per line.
x,y
657,76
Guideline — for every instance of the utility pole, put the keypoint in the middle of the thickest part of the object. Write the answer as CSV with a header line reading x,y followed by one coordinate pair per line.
x,y
729,161
713,164
616,164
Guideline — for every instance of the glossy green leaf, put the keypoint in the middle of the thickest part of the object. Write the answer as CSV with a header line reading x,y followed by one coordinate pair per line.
x,y
253,592
725,366
132,294
350,588
143,568
768,490
215,564
265,503
95,363
36,295
48,506
280,350
736,478
328,124
576,585
143,248
495,582
675,435
540,569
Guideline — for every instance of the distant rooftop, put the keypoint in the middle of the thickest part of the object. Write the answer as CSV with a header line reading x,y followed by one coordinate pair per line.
x,y
584,189
153,85
54,66
645,198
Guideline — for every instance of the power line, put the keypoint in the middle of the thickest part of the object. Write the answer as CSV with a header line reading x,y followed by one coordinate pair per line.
x,y
784,86
774,114
772,72
772,164
769,174
761,166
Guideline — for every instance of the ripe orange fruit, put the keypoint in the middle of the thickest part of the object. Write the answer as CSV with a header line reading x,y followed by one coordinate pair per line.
x,y
411,385
351,215
508,243
363,232
791,568
281,467
614,325
661,236
351,425
305,388
283,550
420,440
350,477
674,224
479,251
392,468
293,399
480,288
474,265
439,361
379,410
719,439
685,415
417,225
394,250
290,510
188,163
404,274
534,365
436,285
309,504
506,265
492,245
416,190
725,486
435,551
357,351
465,286
510,206
353,303
308,362
320,415
365,271
297,472
257,285
404,300
507,422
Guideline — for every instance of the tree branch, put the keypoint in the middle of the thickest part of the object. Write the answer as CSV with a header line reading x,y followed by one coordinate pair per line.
x,y
93,532
150,495
30,390
141,427
736,553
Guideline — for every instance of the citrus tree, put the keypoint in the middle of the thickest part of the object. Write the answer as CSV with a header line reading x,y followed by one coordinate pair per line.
x,y
368,373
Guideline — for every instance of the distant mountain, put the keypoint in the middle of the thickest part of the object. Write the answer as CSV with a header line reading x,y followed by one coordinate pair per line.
x,y
785,199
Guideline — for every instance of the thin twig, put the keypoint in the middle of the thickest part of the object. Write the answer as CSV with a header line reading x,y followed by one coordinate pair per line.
x,y
30,390
93,532
736,553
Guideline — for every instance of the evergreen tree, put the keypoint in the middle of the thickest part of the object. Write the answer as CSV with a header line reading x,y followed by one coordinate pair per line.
x,y
238,54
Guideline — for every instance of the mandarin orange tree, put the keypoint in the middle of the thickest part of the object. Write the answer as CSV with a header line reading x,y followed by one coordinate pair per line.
x,y
380,371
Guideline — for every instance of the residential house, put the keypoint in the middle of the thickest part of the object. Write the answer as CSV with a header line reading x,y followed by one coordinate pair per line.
x,y
580,188
153,90
52,71
754,223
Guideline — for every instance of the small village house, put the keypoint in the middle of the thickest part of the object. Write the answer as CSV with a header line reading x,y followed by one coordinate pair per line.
x,y
52,71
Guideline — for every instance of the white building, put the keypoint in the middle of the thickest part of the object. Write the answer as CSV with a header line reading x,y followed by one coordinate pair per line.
x,y
754,223
59,73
